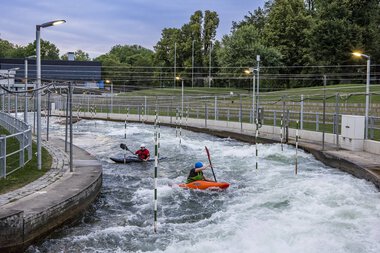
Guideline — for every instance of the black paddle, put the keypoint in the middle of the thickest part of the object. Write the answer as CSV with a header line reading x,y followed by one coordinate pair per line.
x,y
209,159
123,146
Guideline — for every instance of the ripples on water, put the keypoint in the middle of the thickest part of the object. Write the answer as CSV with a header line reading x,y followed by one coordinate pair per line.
x,y
268,210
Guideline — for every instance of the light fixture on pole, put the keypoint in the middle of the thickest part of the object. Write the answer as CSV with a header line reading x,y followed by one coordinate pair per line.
x,y
26,87
111,106
258,85
9,87
38,63
249,71
358,54
192,65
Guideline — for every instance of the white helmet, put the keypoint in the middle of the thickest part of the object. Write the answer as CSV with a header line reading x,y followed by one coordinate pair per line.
x,y
142,145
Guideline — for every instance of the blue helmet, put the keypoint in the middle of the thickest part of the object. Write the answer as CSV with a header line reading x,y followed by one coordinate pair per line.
x,y
198,165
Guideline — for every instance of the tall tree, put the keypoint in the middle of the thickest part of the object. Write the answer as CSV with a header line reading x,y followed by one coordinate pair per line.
x,y
6,49
240,50
49,51
258,18
287,29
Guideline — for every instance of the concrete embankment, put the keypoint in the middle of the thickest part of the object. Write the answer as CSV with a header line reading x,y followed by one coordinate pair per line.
x,y
362,164
30,213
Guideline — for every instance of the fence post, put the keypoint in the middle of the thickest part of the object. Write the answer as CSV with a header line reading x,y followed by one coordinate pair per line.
x,y
3,156
372,126
337,119
274,118
301,116
241,114
30,145
317,122
206,115
216,108
22,150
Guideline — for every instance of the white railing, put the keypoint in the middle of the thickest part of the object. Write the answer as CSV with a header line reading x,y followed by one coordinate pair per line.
x,y
22,132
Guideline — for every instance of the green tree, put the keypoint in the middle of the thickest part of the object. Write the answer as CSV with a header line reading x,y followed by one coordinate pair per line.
x,y
200,31
287,29
240,50
258,18
49,51
6,49
127,64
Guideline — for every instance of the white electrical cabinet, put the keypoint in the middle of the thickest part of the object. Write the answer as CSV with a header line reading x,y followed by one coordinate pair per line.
x,y
352,134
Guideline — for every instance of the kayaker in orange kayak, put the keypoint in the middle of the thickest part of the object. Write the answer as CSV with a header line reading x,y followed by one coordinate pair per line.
x,y
143,153
196,173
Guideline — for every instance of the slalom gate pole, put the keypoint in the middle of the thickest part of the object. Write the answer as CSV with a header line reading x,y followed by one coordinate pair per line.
x,y
125,129
187,114
142,113
176,122
282,132
180,128
296,162
155,170
95,113
127,113
256,135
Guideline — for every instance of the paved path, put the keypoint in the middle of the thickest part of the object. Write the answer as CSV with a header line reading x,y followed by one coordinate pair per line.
x,y
60,161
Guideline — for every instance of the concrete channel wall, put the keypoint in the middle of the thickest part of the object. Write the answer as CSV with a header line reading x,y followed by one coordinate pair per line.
x,y
32,212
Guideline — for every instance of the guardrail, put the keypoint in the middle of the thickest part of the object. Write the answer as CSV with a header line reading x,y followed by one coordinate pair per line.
x,y
22,132
229,108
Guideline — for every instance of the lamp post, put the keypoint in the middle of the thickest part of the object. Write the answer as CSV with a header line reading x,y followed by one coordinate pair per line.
x,y
249,71
9,88
209,68
192,65
258,84
111,105
26,88
367,89
38,63
182,91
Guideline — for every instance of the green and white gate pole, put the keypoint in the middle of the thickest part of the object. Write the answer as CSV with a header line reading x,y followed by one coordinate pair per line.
x,y
155,169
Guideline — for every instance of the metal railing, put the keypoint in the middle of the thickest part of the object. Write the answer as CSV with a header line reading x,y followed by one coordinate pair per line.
x,y
308,109
22,133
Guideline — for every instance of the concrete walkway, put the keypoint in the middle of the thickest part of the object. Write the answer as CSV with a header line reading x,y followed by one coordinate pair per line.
x,y
35,210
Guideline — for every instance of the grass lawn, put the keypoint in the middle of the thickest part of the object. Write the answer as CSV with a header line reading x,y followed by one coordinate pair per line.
x,y
24,175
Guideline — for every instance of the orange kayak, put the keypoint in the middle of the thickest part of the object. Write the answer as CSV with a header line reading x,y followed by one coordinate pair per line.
x,y
203,185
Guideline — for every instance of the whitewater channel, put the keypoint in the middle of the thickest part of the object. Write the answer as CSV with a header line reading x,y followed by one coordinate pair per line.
x,y
268,210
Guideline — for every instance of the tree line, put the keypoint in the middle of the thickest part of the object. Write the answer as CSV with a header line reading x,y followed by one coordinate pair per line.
x,y
304,38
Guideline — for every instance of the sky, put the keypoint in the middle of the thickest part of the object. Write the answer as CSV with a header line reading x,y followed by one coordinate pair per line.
x,y
95,26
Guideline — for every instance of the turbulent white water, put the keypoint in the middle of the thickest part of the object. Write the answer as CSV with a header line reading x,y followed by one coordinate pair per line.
x,y
268,210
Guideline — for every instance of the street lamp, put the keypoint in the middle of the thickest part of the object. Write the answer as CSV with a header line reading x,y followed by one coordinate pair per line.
x,y
38,62
110,82
9,88
249,71
26,87
192,65
358,54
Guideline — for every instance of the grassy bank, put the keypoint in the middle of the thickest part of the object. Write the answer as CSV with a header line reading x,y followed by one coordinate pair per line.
x,y
28,173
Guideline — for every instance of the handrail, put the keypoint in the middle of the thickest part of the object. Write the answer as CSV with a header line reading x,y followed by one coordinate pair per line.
x,y
22,132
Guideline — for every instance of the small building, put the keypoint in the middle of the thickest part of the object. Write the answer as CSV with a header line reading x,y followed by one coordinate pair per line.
x,y
60,71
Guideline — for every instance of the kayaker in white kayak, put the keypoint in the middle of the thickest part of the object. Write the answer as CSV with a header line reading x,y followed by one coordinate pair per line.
x,y
196,173
143,153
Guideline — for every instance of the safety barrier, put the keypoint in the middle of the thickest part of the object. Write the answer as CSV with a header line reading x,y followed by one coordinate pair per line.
x,y
20,131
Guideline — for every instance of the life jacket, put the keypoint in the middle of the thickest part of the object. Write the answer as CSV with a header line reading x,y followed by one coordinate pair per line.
x,y
143,154
198,176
